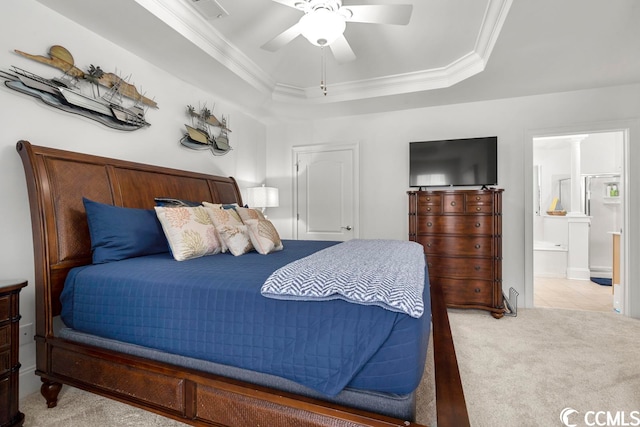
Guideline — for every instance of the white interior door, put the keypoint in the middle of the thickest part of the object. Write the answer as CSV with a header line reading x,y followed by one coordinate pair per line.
x,y
326,193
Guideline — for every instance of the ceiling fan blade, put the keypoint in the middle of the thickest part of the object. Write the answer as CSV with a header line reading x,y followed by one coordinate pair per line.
x,y
397,14
341,50
283,38
290,3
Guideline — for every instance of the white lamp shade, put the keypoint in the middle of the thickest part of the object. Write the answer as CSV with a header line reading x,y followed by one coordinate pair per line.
x,y
262,197
322,27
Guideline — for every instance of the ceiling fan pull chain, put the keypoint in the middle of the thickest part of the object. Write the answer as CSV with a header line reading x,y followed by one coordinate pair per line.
x,y
323,72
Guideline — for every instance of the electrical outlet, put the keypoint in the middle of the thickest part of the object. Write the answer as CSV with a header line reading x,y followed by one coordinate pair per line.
x,y
26,334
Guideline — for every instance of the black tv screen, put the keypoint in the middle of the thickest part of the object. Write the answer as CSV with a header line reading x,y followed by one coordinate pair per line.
x,y
454,162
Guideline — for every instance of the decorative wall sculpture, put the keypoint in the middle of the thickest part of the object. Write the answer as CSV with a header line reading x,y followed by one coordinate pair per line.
x,y
98,95
206,132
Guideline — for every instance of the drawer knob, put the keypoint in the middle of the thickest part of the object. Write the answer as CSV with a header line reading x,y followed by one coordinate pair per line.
x,y
428,199
477,197
428,245
477,246
453,203
477,290
478,209
428,209
429,224
478,225
476,268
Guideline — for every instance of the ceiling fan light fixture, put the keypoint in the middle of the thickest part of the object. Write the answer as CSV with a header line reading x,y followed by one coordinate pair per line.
x,y
322,26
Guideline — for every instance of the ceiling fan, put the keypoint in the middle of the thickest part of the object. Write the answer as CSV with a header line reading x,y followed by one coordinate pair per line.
x,y
324,22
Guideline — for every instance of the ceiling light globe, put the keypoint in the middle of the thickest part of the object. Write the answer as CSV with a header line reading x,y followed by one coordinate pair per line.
x,y
322,26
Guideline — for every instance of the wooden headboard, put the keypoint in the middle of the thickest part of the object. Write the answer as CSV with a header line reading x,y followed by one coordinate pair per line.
x,y
57,180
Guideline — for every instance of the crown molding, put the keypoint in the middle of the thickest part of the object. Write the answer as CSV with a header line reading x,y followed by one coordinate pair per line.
x,y
418,81
472,63
184,19
194,27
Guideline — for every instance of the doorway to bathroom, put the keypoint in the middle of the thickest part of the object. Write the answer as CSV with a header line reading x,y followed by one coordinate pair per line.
x,y
577,220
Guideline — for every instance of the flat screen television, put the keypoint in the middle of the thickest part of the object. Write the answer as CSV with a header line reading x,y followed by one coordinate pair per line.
x,y
454,162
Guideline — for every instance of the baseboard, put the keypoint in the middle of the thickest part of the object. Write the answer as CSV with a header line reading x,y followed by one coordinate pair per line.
x,y
605,272
578,274
29,381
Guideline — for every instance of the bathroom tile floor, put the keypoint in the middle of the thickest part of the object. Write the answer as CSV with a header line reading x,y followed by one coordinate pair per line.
x,y
572,294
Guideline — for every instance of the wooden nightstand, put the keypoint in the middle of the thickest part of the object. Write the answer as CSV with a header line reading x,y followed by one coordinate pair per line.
x,y
10,415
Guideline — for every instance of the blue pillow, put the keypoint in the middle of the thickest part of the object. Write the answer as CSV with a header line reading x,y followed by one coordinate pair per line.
x,y
120,233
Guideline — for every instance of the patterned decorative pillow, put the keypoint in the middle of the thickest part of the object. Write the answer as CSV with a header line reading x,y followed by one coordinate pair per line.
x,y
233,233
190,232
231,208
264,236
248,213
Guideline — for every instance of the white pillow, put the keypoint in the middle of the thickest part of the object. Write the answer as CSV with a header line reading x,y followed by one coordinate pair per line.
x,y
230,208
249,213
264,236
233,233
189,230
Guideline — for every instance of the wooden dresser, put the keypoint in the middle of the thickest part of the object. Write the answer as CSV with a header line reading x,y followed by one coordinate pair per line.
x,y
10,416
461,232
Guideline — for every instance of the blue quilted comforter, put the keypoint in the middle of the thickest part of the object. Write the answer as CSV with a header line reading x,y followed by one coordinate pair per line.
x,y
211,308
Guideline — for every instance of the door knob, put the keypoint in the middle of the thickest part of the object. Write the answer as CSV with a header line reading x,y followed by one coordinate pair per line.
x,y
348,228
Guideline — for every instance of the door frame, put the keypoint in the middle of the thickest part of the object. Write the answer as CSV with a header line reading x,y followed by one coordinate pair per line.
x,y
354,147
630,271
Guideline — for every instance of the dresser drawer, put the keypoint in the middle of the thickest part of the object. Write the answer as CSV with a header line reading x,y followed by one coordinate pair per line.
x,y
455,224
429,203
428,209
478,209
466,292
480,246
479,203
429,199
453,203
470,268
483,199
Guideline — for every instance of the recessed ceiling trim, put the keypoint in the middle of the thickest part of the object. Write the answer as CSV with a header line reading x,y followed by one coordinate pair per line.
x,y
184,19
437,78
453,73
494,17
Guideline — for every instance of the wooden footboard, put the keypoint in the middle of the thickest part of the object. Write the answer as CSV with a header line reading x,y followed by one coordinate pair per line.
x,y
450,402
56,181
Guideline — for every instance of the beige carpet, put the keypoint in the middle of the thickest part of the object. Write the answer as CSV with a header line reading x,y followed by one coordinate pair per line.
x,y
516,371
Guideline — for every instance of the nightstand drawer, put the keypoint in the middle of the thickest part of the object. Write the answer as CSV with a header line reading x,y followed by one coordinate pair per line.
x,y
5,337
5,361
4,308
10,416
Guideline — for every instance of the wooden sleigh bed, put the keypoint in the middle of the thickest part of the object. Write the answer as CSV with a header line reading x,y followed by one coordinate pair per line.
x,y
57,181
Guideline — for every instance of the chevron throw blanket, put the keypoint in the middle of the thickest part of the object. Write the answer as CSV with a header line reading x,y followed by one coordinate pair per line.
x,y
386,273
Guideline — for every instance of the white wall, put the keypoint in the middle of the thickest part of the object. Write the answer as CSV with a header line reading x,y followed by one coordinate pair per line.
x,y
30,27
384,162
